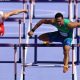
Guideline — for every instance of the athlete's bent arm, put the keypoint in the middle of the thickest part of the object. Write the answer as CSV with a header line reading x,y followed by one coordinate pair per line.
x,y
74,24
43,21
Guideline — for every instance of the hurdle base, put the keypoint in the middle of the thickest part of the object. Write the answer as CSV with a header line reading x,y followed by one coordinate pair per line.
x,y
53,62
47,64
72,76
44,65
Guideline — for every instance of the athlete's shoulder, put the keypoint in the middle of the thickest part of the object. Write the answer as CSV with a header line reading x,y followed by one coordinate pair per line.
x,y
48,21
67,21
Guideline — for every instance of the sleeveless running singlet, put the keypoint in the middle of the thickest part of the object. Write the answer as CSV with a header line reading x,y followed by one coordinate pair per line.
x,y
64,30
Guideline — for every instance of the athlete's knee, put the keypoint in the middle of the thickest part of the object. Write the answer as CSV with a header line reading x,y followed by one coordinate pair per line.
x,y
43,37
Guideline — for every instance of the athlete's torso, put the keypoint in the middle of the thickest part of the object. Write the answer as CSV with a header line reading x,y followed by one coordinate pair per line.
x,y
64,30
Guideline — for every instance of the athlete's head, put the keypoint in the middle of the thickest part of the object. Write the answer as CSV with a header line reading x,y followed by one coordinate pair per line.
x,y
59,19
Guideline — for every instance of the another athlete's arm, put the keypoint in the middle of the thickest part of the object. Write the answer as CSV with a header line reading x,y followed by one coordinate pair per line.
x,y
14,12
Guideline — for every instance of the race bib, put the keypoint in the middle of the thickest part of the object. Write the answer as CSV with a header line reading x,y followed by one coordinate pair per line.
x,y
64,34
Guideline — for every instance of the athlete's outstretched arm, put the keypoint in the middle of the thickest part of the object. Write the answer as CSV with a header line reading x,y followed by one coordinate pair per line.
x,y
43,21
14,12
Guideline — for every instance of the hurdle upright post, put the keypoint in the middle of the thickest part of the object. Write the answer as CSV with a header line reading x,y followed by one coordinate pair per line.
x,y
24,7
73,64
35,50
78,51
76,19
23,62
31,12
33,1
15,62
19,41
77,43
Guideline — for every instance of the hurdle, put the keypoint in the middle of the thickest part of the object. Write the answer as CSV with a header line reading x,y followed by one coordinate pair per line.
x,y
49,45
15,56
73,62
16,19
19,61
35,45
24,17
32,7
32,64
77,29
23,57
35,63
35,58
20,39
44,45
15,37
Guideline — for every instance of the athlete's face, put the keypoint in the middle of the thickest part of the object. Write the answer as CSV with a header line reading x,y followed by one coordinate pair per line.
x,y
60,21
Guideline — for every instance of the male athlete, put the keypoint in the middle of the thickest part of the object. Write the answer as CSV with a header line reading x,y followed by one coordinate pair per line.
x,y
6,15
63,35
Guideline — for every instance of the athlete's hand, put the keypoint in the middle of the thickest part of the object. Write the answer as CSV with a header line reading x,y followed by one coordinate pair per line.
x,y
25,11
30,33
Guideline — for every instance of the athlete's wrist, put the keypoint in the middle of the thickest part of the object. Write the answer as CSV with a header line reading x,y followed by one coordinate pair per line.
x,y
32,30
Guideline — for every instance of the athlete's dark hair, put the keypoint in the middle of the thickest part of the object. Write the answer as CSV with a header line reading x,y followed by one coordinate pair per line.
x,y
58,15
